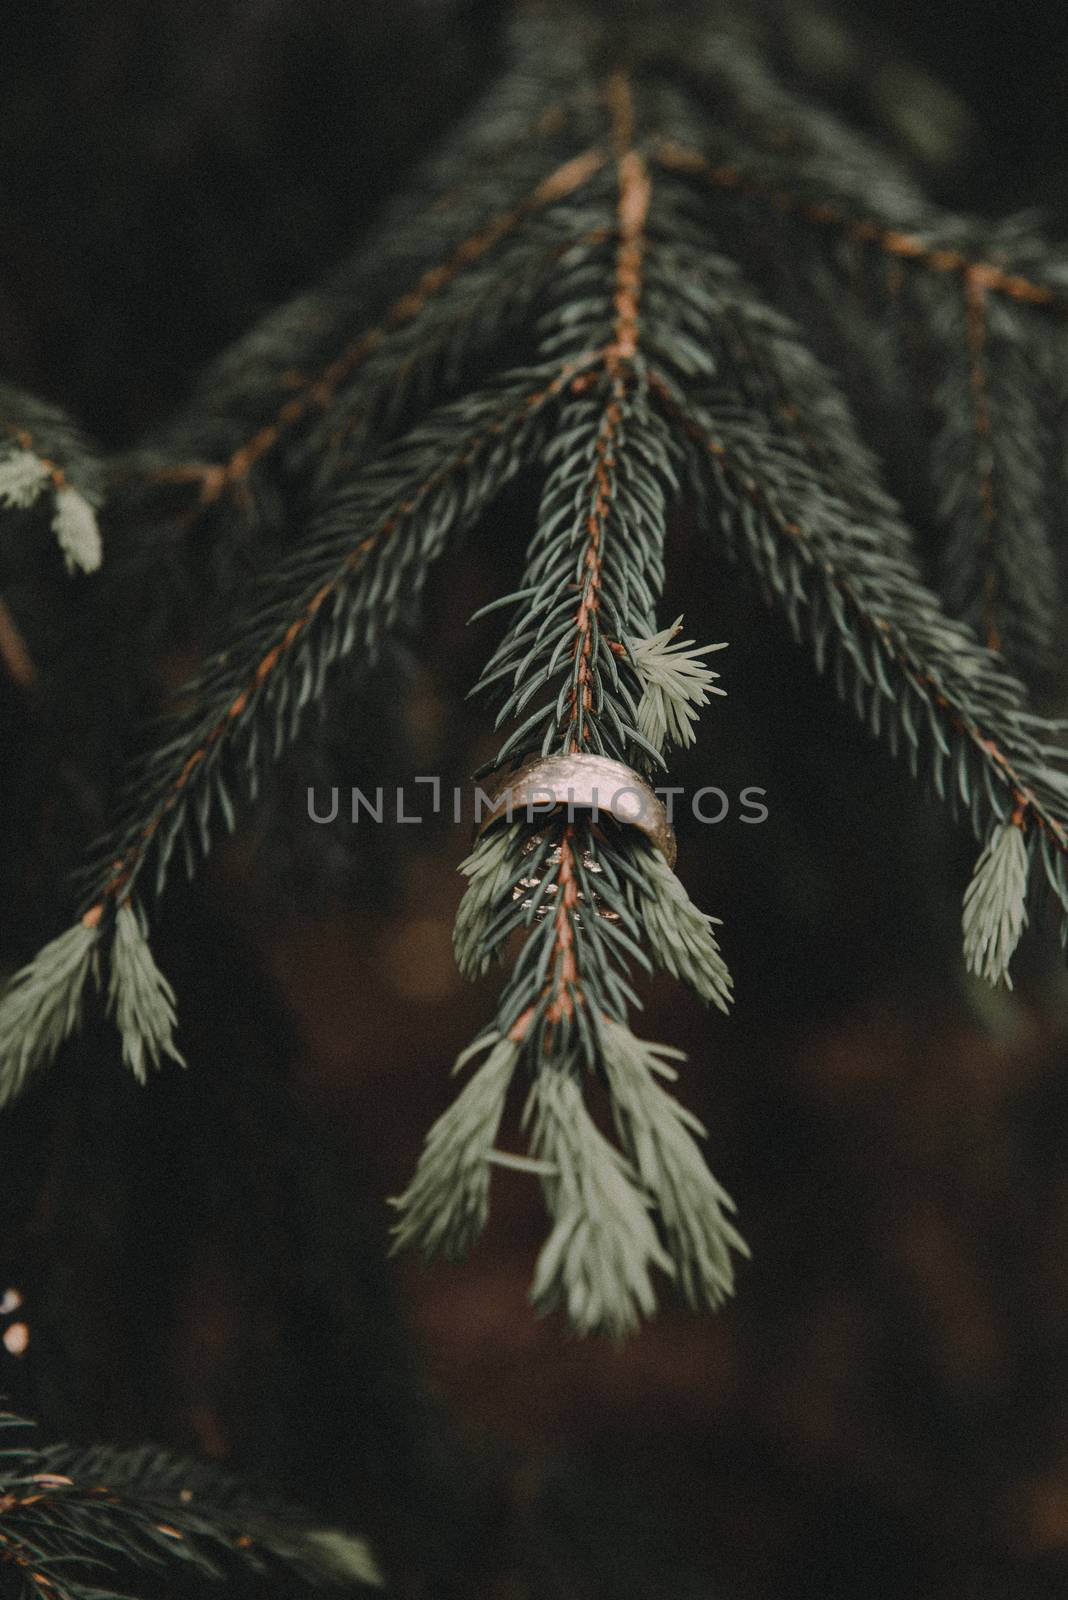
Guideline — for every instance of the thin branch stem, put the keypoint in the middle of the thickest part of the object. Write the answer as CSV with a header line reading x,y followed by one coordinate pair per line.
x,y
316,393
905,247
13,652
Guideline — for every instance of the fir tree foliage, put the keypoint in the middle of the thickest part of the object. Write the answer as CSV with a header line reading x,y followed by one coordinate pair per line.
x,y
598,1258
445,1208
43,1003
680,937
674,684
652,273
44,458
72,1519
995,904
492,871
141,997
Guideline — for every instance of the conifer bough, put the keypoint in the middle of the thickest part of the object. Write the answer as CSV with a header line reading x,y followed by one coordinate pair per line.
x,y
72,1518
608,274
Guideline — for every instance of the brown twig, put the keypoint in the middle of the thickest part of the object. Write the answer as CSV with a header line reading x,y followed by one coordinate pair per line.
x,y
318,391
13,652
904,247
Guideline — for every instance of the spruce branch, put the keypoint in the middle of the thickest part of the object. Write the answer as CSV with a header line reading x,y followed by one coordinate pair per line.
x,y
42,454
71,1519
652,274
998,564
364,561
23,476
993,473
917,246
348,592
594,497
42,1005
856,592
584,620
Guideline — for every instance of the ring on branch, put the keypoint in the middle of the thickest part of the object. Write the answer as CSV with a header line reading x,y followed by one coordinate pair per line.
x,y
581,782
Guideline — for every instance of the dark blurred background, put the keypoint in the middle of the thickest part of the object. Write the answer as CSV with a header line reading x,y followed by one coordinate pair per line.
x,y
883,1411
